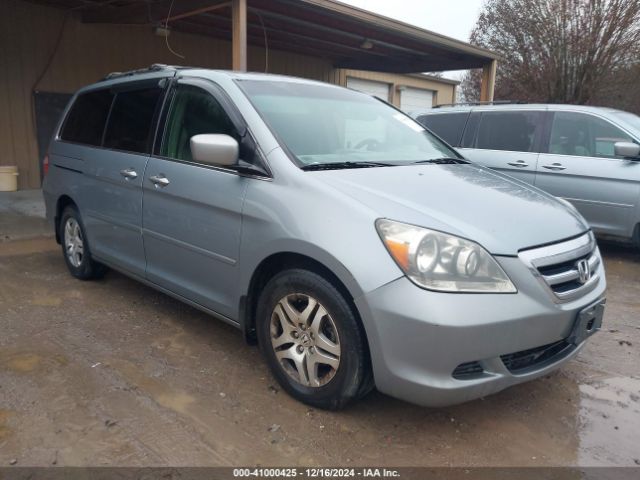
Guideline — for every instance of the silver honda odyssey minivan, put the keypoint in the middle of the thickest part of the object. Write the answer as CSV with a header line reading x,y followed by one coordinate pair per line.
x,y
356,249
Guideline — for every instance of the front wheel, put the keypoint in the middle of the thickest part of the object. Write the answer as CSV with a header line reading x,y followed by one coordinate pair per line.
x,y
312,340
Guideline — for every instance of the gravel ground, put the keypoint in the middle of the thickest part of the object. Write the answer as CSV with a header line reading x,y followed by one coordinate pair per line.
x,y
115,373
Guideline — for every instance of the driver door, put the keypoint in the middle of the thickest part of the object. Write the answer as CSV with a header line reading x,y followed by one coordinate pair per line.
x,y
580,166
192,212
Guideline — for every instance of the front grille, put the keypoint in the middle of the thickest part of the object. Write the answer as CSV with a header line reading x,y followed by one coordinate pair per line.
x,y
467,371
536,357
567,269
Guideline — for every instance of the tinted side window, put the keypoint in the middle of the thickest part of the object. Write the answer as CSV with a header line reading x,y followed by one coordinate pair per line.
x,y
448,126
87,117
513,131
193,112
584,135
130,122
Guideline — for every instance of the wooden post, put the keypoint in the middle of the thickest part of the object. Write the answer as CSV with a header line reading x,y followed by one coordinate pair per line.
x,y
239,35
394,94
488,81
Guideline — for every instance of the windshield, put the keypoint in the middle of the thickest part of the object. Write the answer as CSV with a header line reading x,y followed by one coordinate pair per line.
x,y
325,124
630,119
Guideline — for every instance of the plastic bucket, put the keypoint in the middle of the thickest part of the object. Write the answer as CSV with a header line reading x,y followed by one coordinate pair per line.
x,y
8,178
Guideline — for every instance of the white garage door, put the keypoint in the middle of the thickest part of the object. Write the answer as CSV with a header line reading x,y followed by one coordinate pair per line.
x,y
415,99
377,89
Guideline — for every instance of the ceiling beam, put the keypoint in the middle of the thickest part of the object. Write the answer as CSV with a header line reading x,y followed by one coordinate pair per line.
x,y
302,12
187,26
217,22
303,34
197,11
255,37
340,58
135,13
393,66
151,13
315,33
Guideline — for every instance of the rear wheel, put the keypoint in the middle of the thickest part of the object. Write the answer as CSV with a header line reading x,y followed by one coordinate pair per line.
x,y
312,340
75,247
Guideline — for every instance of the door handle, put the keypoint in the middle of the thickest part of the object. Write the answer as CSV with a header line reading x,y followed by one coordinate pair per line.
x,y
159,180
519,164
554,166
129,173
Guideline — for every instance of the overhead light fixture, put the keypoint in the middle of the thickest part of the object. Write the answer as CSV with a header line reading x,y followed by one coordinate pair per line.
x,y
161,31
366,44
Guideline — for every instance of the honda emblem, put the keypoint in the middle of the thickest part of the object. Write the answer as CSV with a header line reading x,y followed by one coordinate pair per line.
x,y
584,272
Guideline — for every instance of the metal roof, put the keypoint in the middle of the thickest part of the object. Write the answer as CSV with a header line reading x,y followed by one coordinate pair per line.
x,y
347,36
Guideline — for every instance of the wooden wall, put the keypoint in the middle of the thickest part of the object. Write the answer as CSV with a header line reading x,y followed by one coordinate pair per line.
x,y
41,50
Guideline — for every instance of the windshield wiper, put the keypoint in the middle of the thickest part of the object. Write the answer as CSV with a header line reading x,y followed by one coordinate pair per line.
x,y
343,165
444,161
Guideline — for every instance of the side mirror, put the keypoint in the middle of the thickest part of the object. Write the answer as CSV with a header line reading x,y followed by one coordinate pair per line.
x,y
215,149
626,149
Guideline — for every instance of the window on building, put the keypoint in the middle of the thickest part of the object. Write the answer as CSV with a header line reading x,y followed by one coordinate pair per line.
x,y
193,112
513,131
448,126
584,135
87,117
131,120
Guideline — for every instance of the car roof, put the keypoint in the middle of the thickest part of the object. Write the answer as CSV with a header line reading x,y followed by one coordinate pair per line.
x,y
555,107
158,71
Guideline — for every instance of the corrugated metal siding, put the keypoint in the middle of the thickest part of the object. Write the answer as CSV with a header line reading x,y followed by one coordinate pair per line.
x,y
87,52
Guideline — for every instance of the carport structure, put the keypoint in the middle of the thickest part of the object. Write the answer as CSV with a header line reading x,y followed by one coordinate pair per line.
x,y
50,48
349,37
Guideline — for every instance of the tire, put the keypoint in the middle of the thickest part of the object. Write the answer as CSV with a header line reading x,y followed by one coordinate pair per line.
x,y
323,361
75,247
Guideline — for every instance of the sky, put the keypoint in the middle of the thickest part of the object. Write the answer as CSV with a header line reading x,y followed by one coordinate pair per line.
x,y
453,18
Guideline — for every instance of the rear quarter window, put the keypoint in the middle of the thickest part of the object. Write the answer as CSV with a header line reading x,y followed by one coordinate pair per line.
x,y
448,126
87,117
131,120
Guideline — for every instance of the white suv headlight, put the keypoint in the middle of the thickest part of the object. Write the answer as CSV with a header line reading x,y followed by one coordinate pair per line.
x,y
442,262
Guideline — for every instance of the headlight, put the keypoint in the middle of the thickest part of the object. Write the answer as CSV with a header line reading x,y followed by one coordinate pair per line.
x,y
442,262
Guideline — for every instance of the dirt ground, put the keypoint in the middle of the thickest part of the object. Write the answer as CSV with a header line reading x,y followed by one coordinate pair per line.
x,y
115,373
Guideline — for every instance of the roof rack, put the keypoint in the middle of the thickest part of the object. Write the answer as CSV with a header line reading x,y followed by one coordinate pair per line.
x,y
156,67
496,102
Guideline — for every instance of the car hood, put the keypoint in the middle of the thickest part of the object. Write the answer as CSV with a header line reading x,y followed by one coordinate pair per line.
x,y
502,214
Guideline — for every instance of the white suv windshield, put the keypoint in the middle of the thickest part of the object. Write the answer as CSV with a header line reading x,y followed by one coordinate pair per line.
x,y
324,124
630,119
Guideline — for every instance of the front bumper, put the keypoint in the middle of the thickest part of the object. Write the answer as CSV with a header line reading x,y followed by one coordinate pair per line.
x,y
417,338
